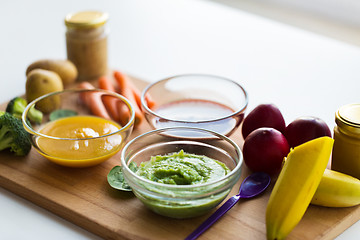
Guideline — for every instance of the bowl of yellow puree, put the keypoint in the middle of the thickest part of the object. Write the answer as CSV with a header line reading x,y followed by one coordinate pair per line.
x,y
80,127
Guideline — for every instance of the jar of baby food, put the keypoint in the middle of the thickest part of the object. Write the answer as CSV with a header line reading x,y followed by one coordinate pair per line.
x,y
346,151
86,43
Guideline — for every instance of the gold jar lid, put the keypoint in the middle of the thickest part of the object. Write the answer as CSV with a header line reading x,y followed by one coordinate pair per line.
x,y
87,19
348,118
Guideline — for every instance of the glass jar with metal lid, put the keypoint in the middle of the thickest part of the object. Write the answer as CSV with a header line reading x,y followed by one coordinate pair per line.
x,y
86,43
346,151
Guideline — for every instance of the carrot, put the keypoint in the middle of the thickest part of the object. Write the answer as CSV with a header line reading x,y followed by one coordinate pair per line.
x,y
109,102
118,110
84,96
124,112
137,96
126,90
93,101
136,93
150,102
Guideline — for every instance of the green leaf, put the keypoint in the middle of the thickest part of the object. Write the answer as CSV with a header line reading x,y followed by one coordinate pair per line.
x,y
116,177
61,113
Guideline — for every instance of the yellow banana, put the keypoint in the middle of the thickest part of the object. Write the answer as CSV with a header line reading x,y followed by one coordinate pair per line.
x,y
337,190
296,185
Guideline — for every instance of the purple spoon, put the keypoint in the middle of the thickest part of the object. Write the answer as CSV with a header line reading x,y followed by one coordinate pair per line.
x,y
252,186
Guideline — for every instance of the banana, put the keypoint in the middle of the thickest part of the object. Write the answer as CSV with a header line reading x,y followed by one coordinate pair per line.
x,y
296,186
337,190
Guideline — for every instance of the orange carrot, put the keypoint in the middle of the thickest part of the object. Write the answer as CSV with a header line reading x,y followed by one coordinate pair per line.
x,y
137,96
124,112
93,101
126,91
109,101
85,96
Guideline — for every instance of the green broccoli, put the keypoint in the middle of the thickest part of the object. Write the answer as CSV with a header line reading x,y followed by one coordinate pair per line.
x,y
13,135
17,106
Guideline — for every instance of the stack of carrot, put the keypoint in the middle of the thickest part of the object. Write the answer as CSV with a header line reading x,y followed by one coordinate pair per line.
x,y
110,108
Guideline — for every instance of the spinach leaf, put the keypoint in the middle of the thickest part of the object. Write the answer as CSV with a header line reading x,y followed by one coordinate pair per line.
x,y
61,113
116,177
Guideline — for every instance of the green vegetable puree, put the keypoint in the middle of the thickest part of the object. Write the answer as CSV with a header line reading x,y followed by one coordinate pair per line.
x,y
182,169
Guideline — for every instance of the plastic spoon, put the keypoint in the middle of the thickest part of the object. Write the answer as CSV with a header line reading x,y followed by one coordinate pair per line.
x,y
252,186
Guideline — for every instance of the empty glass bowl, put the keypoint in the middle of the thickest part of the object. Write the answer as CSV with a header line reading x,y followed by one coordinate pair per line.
x,y
195,100
73,133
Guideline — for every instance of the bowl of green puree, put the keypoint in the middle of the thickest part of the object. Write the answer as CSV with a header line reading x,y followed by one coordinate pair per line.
x,y
180,176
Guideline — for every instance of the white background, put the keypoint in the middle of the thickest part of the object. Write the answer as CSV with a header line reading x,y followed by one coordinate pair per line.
x,y
345,11
303,73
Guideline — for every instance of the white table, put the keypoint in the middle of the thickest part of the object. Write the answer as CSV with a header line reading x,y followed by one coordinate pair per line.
x,y
301,72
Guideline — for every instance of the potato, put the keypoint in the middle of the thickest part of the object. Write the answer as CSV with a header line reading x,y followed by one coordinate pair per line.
x,y
40,82
64,68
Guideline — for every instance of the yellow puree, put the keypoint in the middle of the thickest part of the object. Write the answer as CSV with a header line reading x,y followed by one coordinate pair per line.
x,y
84,152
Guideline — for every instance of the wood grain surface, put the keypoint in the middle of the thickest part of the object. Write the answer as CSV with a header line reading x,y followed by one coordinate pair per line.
x,y
84,197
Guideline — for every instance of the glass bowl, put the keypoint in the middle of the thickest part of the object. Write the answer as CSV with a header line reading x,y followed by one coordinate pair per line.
x,y
71,132
181,201
195,100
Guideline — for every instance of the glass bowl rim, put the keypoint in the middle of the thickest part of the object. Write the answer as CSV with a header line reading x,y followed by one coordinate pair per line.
x,y
147,88
230,175
30,130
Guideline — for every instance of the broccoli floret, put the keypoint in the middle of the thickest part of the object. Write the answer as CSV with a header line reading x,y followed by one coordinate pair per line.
x,y
13,135
17,106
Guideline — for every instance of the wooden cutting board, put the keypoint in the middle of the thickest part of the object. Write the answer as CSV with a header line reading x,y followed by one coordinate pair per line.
x,y
84,197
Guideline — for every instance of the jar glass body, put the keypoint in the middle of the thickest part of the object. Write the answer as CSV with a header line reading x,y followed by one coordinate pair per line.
x,y
346,150
87,49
